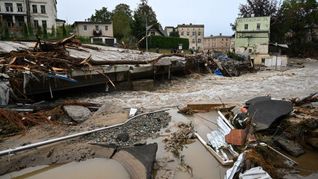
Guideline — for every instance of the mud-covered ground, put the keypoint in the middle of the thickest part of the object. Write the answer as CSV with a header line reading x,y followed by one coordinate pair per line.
x,y
295,82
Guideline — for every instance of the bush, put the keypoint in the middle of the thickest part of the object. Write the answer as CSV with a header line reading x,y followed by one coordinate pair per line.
x,y
165,42
84,40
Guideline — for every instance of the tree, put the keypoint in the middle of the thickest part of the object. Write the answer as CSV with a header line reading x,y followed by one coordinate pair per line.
x,y
102,15
142,13
258,8
298,19
122,21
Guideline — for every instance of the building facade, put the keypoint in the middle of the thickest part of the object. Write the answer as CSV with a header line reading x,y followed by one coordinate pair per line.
x,y
168,30
97,32
193,32
218,43
252,37
14,14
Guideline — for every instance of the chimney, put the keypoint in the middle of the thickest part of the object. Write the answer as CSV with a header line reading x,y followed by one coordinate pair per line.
x,y
220,34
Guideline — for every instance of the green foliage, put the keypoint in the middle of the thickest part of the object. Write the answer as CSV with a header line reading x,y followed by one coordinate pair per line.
x,y
122,21
6,33
258,8
39,31
64,30
25,31
53,32
166,42
295,22
84,40
143,12
102,15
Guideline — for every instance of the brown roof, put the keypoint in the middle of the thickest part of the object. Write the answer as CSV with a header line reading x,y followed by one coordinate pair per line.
x,y
191,25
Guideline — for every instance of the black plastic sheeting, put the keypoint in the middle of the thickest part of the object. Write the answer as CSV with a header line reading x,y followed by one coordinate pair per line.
x,y
264,111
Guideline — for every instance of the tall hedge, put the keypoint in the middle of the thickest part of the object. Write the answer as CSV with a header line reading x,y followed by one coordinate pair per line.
x,y
165,42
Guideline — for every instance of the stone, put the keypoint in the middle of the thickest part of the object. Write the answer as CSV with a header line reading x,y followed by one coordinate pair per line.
x,y
77,113
289,146
124,137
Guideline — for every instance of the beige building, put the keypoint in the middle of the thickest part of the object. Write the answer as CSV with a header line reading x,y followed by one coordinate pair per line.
x,y
38,13
193,32
97,32
217,43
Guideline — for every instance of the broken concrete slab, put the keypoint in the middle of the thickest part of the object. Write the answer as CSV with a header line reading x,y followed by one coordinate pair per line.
x,y
289,146
265,112
77,113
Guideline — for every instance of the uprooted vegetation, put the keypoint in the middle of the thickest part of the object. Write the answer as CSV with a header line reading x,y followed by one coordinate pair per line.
x,y
12,122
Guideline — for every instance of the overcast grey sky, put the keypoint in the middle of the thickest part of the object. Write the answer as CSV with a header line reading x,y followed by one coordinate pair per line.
x,y
216,15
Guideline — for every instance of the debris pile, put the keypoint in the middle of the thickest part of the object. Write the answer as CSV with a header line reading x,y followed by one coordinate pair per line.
x,y
13,122
261,131
176,141
230,66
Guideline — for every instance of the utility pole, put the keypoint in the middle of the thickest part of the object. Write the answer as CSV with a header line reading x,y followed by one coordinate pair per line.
x,y
146,34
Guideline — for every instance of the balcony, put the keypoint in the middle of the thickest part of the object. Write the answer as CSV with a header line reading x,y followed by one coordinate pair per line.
x,y
97,33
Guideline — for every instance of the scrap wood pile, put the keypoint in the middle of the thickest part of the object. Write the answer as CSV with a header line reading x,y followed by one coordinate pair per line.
x,y
265,132
13,122
45,60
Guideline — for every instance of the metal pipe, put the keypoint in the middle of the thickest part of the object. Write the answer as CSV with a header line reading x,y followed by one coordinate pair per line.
x,y
38,144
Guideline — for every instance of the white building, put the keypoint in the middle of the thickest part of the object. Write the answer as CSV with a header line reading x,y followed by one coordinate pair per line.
x,y
97,32
36,13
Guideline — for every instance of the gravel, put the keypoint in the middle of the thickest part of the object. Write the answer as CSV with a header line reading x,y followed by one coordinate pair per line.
x,y
135,131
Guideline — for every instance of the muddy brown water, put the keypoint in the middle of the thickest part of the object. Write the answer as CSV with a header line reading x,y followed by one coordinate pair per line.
x,y
93,168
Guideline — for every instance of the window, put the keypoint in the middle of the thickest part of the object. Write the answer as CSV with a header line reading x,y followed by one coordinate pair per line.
x,y
246,26
250,50
9,7
258,26
263,60
199,40
193,41
96,27
20,8
43,11
182,33
35,9
85,27
36,23
193,33
188,33
44,24
199,33
106,27
152,33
